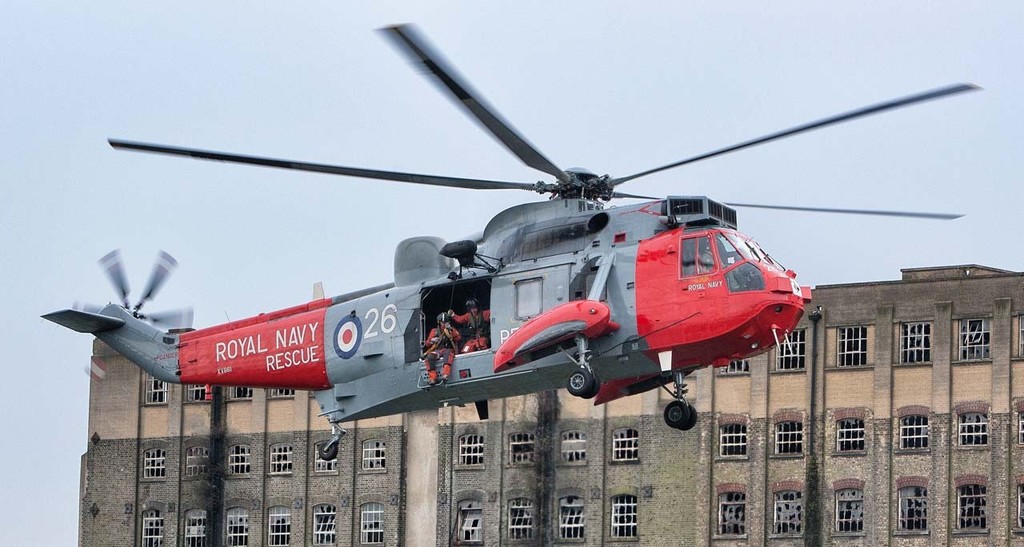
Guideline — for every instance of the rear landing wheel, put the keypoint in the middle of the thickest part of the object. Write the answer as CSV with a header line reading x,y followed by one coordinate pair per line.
x,y
329,450
680,415
582,383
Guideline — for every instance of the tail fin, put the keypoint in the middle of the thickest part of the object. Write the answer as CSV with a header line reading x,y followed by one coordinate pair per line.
x,y
83,321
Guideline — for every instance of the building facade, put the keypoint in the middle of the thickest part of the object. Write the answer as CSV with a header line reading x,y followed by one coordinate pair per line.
x,y
893,415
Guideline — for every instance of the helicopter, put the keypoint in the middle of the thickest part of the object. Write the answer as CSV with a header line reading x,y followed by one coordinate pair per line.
x,y
605,301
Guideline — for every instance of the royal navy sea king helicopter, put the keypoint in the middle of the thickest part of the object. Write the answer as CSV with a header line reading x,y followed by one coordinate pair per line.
x,y
608,302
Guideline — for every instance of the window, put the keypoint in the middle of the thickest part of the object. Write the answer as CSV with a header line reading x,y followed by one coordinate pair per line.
x,y
278,393
626,445
239,460
913,432
790,354
971,500
374,454
528,298
741,366
624,516
973,429
520,519
1020,427
156,391
279,526
470,522
239,392
195,394
574,446
371,523
1020,506
154,464
732,440
789,512
280,459
471,449
974,339
520,448
732,513
697,258
913,508
321,465
237,529
850,435
325,524
1020,338
572,519
197,458
853,346
916,342
195,528
152,528
850,510
789,438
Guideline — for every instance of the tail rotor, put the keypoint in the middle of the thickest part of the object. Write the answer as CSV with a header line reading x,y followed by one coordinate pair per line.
x,y
113,266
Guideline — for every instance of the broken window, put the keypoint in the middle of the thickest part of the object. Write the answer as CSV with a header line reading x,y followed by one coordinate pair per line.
x,y
971,501
195,528
916,342
279,526
791,352
1020,506
624,518
239,459
520,448
913,508
196,394
736,366
574,446
789,512
152,528
237,529
240,392
625,445
325,524
197,458
974,339
973,429
850,510
520,518
321,465
571,518
156,391
470,523
789,438
732,513
853,346
913,432
732,440
280,459
154,464
371,523
277,393
850,435
471,449
374,454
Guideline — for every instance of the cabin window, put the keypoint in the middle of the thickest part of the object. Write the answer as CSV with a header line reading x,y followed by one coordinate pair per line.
x,y
697,256
529,298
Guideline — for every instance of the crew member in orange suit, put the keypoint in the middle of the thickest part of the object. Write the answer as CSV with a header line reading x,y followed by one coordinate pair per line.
x,y
478,323
440,346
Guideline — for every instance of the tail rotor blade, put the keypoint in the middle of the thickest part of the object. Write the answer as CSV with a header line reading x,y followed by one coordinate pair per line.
x,y
162,268
113,266
173,319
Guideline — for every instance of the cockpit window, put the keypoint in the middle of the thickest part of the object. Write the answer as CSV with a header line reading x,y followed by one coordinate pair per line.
x,y
697,256
739,245
726,251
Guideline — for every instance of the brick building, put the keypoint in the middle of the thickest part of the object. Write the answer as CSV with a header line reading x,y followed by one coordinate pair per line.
x,y
895,415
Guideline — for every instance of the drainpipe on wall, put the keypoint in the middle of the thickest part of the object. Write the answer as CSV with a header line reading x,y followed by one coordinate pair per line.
x,y
812,528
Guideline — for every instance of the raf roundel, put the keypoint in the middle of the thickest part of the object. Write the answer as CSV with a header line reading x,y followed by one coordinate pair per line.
x,y
347,336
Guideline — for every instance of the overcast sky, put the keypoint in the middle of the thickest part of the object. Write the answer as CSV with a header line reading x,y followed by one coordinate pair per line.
x,y
613,87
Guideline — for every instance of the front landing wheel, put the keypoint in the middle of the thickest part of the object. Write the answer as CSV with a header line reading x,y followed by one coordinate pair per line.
x,y
582,383
680,415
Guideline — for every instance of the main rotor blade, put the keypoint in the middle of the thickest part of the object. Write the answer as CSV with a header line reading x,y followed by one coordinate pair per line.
x,y
634,196
173,319
866,111
434,180
908,214
162,268
113,266
420,52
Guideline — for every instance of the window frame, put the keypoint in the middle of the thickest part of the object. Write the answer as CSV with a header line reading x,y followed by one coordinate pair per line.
x,y
571,454
374,455
154,464
194,528
906,498
852,346
371,523
239,457
281,459
851,435
520,519
156,391
979,493
797,440
732,444
625,513
980,350
321,466
279,526
197,460
849,515
280,393
792,354
914,433
786,527
325,524
915,347
967,430
236,526
736,367
732,504
152,529
521,448
625,445
470,522
572,518
195,393
472,450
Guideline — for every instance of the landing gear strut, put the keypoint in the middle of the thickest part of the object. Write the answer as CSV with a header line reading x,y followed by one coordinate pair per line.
x,y
582,382
680,414
329,450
